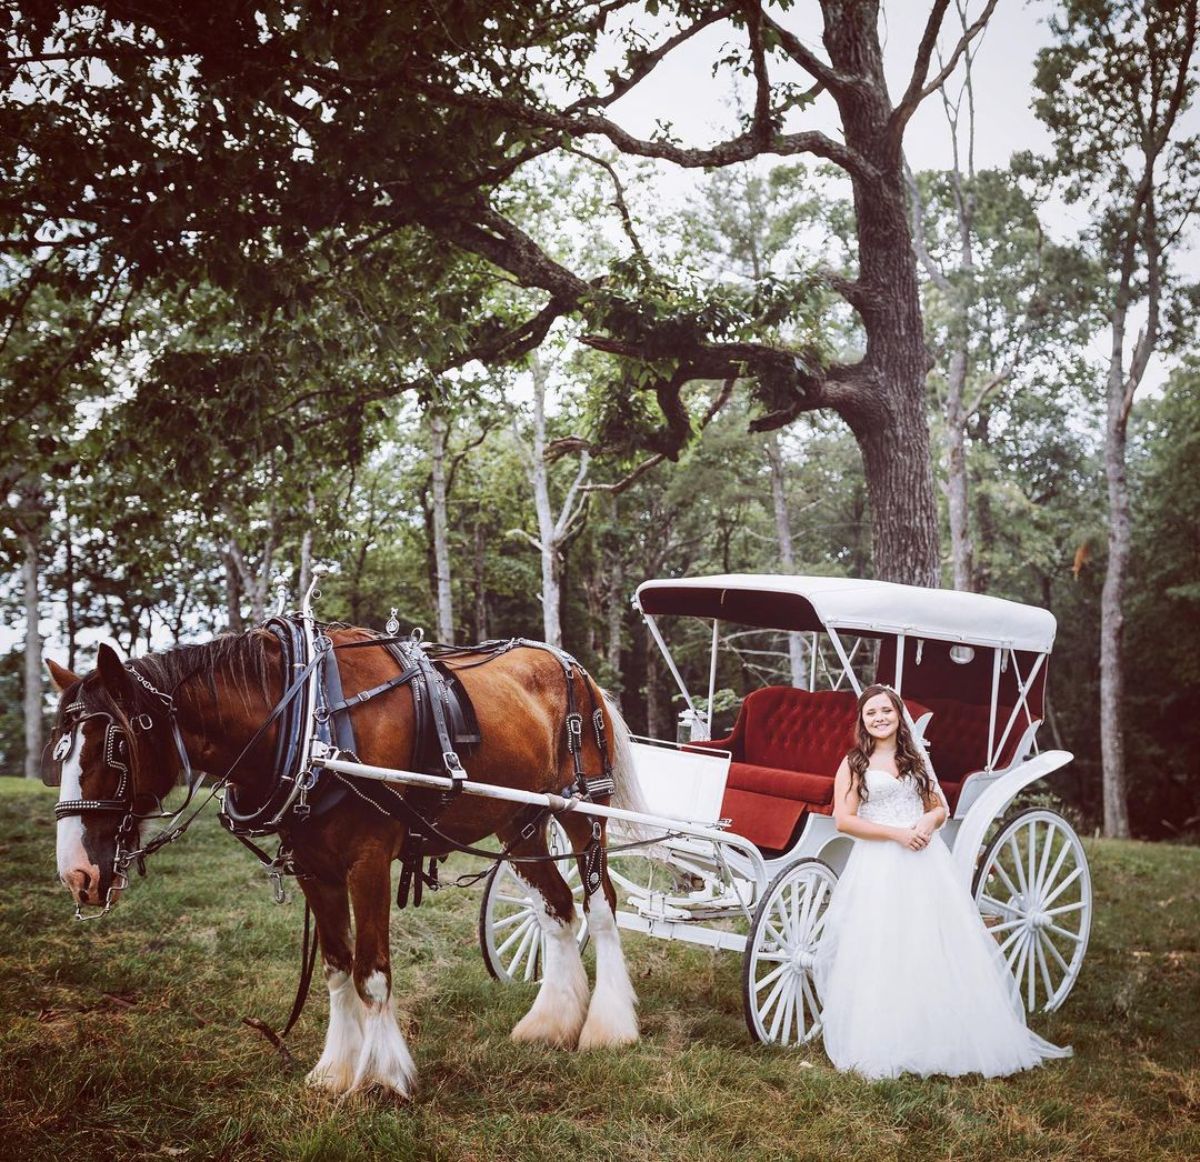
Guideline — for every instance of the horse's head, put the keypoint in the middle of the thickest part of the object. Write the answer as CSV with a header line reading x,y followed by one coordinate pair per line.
x,y
112,755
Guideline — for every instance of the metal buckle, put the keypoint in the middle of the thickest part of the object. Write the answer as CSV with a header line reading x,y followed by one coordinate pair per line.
x,y
575,728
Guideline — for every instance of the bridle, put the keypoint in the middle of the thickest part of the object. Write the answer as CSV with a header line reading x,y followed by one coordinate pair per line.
x,y
125,800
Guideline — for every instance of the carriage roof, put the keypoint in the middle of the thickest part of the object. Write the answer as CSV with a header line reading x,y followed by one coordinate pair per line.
x,y
778,601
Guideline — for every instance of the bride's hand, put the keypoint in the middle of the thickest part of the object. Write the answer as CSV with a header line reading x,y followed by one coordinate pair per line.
x,y
926,826
911,838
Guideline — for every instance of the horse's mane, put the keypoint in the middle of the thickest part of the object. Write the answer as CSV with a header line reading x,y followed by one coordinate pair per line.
x,y
241,658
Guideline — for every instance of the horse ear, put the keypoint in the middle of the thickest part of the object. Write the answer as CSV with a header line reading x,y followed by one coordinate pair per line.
x,y
62,678
113,675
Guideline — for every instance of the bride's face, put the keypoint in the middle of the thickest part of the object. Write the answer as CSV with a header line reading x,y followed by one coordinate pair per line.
x,y
880,717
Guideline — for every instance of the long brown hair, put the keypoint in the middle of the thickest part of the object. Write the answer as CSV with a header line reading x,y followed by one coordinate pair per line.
x,y
909,761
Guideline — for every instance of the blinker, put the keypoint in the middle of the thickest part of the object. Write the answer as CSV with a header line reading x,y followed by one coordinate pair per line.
x,y
52,764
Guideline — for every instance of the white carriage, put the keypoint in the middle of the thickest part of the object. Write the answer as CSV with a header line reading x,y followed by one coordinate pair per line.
x,y
749,853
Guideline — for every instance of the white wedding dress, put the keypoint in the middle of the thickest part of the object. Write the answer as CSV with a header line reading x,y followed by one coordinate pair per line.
x,y
909,978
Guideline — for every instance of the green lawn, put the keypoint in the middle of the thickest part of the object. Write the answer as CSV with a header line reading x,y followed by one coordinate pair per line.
x,y
123,1038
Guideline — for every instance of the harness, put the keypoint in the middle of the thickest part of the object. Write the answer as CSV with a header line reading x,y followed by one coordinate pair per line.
x,y
314,721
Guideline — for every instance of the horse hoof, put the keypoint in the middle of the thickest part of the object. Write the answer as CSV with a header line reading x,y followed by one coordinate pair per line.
x,y
328,1080
544,1031
597,1036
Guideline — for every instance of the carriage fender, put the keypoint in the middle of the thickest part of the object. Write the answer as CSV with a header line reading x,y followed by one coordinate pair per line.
x,y
992,803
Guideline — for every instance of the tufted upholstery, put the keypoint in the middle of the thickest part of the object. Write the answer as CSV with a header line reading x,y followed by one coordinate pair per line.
x,y
786,746
958,741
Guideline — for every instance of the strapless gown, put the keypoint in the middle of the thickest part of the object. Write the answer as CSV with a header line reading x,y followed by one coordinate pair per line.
x,y
909,978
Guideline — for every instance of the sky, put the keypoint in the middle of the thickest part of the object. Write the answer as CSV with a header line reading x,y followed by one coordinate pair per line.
x,y
682,91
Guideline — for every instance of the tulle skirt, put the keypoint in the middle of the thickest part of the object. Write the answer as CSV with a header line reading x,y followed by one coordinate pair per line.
x,y
909,978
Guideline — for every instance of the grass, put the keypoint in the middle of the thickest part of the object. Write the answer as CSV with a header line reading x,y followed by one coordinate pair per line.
x,y
123,1038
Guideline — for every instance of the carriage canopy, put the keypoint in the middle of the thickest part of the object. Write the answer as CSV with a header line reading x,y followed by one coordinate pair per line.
x,y
876,608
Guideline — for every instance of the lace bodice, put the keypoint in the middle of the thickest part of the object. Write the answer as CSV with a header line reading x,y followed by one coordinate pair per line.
x,y
890,801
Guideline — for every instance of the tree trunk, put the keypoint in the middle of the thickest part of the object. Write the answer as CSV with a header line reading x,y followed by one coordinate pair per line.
x,y
69,602
439,429
306,544
33,658
886,408
1112,617
614,612
787,557
957,503
900,491
481,613
233,593
547,540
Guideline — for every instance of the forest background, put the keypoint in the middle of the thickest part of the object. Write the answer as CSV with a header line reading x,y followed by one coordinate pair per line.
x,y
392,291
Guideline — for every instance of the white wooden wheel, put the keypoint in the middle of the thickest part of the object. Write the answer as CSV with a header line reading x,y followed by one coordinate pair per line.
x,y
510,936
778,992
1034,892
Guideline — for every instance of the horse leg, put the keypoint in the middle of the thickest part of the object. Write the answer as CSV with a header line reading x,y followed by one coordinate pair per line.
x,y
384,1059
611,1016
559,1009
344,1036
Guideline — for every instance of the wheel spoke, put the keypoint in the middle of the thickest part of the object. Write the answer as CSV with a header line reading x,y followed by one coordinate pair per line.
x,y
528,919
998,868
1031,990
1044,965
1047,847
517,966
788,993
995,928
1056,954
1018,864
781,941
1016,935
505,898
1064,908
814,1006
1031,849
1010,959
1063,886
1003,907
1064,851
508,921
771,977
772,998
814,933
789,1010
1074,937
523,962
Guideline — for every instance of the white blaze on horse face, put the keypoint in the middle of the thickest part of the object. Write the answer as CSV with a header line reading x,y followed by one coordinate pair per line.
x,y
73,859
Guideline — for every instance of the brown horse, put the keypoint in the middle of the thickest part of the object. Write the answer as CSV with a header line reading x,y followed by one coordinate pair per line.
x,y
124,732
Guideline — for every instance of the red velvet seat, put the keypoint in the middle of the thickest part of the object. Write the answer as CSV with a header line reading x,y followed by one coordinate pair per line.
x,y
958,741
786,746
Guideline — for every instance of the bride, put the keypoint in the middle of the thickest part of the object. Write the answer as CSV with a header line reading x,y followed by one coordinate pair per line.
x,y
909,978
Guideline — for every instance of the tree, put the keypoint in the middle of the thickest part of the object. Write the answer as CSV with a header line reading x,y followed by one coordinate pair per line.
x,y
303,120
1164,609
1113,90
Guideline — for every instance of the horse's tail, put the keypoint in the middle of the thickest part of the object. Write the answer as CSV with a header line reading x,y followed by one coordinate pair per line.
x,y
627,793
